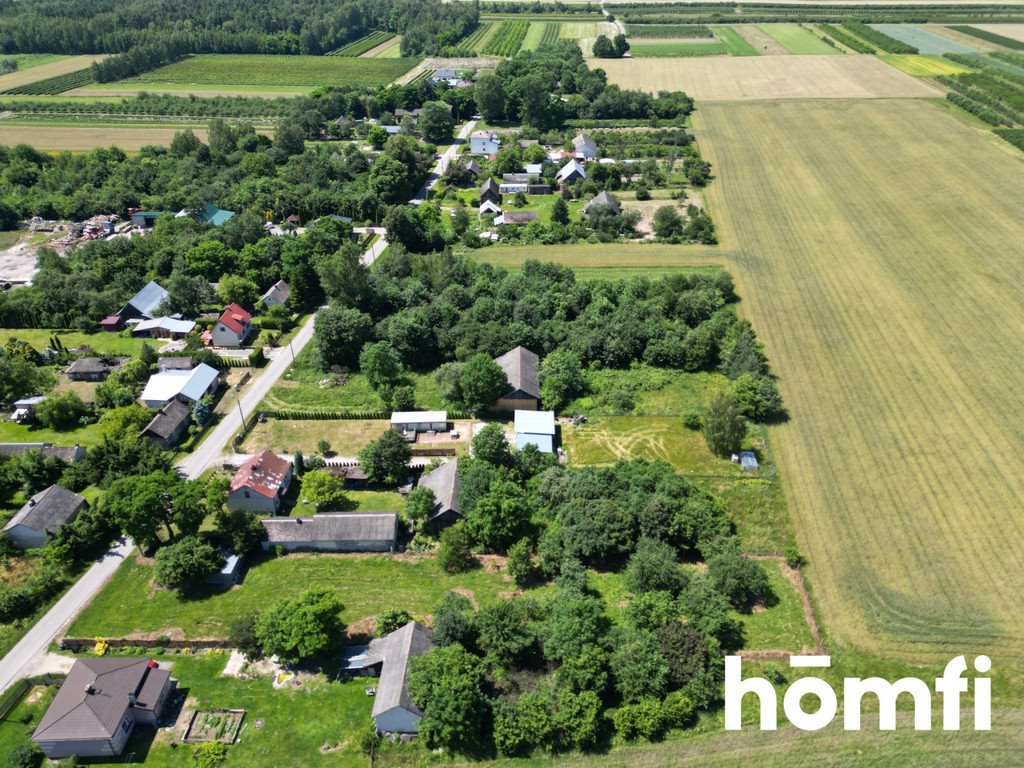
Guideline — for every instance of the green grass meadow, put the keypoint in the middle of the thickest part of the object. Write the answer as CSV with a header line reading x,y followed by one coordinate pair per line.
x,y
796,39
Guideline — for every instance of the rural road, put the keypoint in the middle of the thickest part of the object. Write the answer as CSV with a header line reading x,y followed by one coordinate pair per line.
x,y
25,657
31,650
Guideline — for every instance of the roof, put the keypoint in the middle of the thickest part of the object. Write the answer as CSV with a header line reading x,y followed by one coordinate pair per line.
x,y
473,167
418,417
167,385
489,206
279,292
169,324
517,178
395,650
517,217
489,186
444,482
748,460
604,198
568,169
27,402
168,420
175,364
235,318
48,510
483,135
535,422
582,140
94,698
534,169
211,214
263,473
543,443
521,369
86,365
70,454
148,299
358,526
524,143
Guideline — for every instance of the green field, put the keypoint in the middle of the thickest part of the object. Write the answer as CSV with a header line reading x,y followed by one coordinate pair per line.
x,y
363,44
232,70
100,342
677,50
923,66
734,41
540,33
796,39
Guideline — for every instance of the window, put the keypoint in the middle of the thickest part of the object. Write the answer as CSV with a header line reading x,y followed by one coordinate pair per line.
x,y
126,724
246,494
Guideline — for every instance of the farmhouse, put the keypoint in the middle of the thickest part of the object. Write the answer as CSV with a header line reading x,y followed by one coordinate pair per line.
x,y
473,167
411,422
517,218
277,294
444,482
164,328
69,454
393,708
484,143
233,327
99,705
92,368
143,305
604,199
584,147
260,483
514,182
42,516
490,191
336,532
521,367
570,172
186,386
169,425
535,428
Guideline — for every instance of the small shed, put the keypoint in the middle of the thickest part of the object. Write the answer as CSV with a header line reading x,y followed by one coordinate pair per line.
x,y
535,428
230,574
420,421
748,461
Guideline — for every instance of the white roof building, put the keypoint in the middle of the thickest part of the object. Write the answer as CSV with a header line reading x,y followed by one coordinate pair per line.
x,y
188,386
535,428
165,325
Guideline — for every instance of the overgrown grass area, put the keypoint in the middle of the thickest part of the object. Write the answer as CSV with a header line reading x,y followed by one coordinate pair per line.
x,y
781,626
17,726
101,342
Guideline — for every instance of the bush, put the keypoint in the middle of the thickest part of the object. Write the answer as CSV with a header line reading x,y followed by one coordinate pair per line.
x,y
454,554
773,673
390,620
692,419
678,710
793,557
643,720
61,410
209,754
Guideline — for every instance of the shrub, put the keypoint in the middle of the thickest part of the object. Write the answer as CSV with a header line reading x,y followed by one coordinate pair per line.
x,y
643,720
454,554
793,557
209,754
25,756
692,419
774,674
678,710
390,620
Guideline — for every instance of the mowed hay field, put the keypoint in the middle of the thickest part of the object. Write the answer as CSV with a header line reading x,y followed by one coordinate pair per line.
x,y
61,66
877,246
754,78
81,138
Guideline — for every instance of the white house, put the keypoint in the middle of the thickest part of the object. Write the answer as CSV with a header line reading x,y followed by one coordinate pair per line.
x,y
535,428
233,327
419,421
277,294
571,171
336,532
42,516
186,386
484,143
489,206
260,484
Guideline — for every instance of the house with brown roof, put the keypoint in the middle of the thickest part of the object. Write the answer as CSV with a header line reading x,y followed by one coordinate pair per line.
x,y
69,454
232,328
260,484
92,368
522,369
444,482
169,425
97,708
333,532
42,516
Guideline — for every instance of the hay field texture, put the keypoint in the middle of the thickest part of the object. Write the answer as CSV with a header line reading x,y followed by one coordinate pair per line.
x,y
81,138
876,247
61,65
753,78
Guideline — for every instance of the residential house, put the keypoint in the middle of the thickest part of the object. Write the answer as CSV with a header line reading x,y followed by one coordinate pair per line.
x,y
524,143
411,422
584,147
511,183
490,190
186,386
170,424
604,199
69,454
534,169
232,328
393,708
260,484
42,516
442,75
521,367
485,143
142,306
335,532
184,363
517,218
489,207
444,482
163,328
100,703
277,294
93,368
570,172
25,409
535,428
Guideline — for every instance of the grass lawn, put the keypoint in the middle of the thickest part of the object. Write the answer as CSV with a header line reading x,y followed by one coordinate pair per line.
x,y
781,626
346,436
299,389
796,39
13,731
35,433
101,342
367,586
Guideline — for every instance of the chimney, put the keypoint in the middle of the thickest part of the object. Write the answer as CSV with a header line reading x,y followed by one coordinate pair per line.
x,y
298,521
89,688
132,700
31,502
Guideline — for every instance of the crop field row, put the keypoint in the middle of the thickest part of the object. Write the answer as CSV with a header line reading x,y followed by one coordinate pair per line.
x,y
846,39
479,36
668,30
923,65
49,66
273,71
507,39
363,44
925,41
890,345
729,42
878,39
992,37
54,85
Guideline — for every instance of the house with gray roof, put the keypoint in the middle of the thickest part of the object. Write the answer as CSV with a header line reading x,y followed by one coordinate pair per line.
x,y
605,199
142,306
277,294
69,454
42,516
335,532
93,368
490,190
521,367
444,482
393,709
169,425
97,708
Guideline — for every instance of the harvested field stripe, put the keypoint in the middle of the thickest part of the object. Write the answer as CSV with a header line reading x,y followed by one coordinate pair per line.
x,y
34,74
992,37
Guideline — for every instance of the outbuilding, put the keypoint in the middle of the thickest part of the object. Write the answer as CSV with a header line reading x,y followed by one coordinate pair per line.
x,y
535,428
444,482
170,424
521,367
419,421
335,532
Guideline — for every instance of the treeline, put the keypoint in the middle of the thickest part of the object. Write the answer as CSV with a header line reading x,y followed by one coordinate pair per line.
x,y
878,39
669,30
990,92
991,37
139,59
850,41
160,104
735,13
522,7
433,27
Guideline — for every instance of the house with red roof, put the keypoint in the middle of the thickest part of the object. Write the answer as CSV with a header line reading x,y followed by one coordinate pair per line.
x,y
233,327
260,484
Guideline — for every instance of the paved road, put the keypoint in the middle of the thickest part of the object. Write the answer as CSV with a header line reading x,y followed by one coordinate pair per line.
x,y
25,658
31,651
442,164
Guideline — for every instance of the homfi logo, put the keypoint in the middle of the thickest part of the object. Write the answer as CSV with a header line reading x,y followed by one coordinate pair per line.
x,y
951,685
